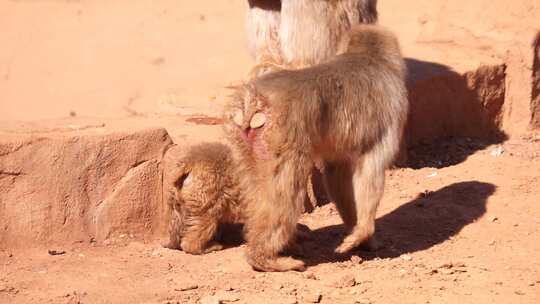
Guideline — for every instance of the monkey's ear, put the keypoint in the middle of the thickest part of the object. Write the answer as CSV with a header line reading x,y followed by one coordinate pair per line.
x,y
182,180
180,172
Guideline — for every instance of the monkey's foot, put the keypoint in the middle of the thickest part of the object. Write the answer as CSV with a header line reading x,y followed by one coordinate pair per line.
x,y
213,246
171,244
275,264
196,248
352,241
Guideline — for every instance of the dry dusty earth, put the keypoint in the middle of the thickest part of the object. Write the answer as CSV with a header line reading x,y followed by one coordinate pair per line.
x,y
462,227
465,233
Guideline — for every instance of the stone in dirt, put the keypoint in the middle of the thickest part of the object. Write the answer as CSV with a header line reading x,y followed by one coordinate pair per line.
x,y
356,259
313,297
187,286
347,280
210,300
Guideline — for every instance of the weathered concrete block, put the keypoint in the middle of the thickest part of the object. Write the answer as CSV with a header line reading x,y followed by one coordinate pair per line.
x,y
63,187
447,103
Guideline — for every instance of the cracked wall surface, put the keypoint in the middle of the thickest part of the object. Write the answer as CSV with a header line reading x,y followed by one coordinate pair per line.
x,y
76,186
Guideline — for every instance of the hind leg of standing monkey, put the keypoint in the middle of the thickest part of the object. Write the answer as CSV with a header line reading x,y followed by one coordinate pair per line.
x,y
368,185
338,179
271,226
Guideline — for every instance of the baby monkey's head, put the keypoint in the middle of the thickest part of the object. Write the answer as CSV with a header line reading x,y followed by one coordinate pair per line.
x,y
203,193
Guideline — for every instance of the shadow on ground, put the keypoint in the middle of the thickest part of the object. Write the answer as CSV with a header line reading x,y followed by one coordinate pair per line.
x,y
451,115
415,226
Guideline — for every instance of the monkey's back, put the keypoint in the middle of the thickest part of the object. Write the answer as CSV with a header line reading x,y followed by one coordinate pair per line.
x,y
348,103
213,187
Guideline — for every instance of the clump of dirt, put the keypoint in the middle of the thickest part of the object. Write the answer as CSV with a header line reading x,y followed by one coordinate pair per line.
x,y
205,120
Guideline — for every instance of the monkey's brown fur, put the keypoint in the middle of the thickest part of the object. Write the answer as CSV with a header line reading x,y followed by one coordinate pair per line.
x,y
291,34
203,193
348,112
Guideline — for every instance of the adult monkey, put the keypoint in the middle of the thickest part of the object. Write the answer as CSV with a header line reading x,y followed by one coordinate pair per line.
x,y
292,34
348,112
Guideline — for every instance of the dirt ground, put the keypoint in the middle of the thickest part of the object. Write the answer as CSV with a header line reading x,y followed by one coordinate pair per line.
x,y
463,233
463,226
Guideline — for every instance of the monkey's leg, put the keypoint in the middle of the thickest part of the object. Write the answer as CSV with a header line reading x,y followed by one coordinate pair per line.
x,y
368,185
271,225
338,178
198,239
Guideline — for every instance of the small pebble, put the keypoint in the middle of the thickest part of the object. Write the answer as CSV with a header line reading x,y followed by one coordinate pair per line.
x,y
348,280
446,271
309,275
210,300
314,297
56,252
290,301
187,287
406,257
225,297
356,259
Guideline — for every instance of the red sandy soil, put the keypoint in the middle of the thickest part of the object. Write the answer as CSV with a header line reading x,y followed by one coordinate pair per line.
x,y
467,233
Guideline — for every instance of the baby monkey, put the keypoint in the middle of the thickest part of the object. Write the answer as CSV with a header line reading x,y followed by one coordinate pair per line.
x,y
203,194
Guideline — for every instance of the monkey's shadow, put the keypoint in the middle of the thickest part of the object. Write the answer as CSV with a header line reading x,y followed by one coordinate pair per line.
x,y
415,226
